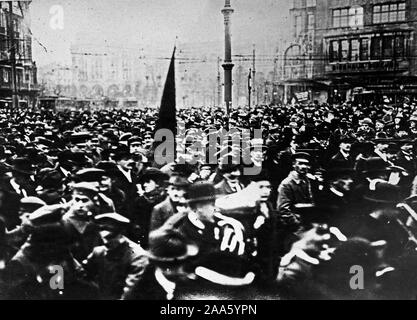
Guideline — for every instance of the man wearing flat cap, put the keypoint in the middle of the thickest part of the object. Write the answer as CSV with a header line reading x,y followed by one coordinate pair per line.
x,y
297,188
111,197
117,264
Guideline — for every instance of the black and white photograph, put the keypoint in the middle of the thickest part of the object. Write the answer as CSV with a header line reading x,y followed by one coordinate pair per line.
x,y
195,150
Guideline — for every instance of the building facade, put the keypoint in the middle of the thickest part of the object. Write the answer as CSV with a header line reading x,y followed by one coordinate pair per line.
x,y
21,42
343,48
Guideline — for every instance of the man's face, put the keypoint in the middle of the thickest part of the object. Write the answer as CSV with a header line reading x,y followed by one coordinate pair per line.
x,y
265,189
105,184
344,184
366,127
135,148
176,193
111,239
234,175
126,163
149,186
302,167
407,148
82,205
379,126
345,147
206,210
383,147
205,173
294,145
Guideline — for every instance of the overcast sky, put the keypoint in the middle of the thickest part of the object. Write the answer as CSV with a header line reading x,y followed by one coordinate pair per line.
x,y
145,22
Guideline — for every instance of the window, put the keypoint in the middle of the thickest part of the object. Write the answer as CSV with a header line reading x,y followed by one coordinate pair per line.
x,y
344,50
311,3
354,53
364,55
2,19
393,12
311,21
399,47
297,4
387,47
298,25
334,51
5,76
376,48
352,17
356,16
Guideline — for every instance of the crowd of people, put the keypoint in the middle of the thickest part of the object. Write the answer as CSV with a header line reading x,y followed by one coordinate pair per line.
x,y
330,214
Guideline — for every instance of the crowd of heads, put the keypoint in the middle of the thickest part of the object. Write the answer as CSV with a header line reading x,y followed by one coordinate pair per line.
x,y
99,167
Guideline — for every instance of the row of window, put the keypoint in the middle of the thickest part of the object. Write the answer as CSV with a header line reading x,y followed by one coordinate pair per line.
x,y
297,4
6,76
381,13
364,49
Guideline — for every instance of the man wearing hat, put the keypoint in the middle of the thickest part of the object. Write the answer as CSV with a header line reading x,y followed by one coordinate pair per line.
x,y
343,158
126,179
169,252
230,182
117,264
177,187
19,186
366,126
151,191
205,228
297,188
405,157
16,237
79,213
111,197
51,241
50,186
336,195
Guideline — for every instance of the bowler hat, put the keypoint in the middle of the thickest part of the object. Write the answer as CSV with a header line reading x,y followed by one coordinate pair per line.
x,y
384,193
153,174
375,164
23,165
90,174
201,191
179,181
310,212
121,152
49,178
170,246
80,137
337,173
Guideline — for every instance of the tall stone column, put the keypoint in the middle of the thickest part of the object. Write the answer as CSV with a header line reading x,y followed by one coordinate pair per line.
x,y
227,65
